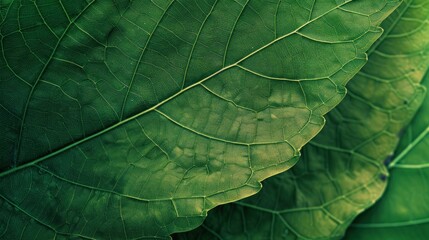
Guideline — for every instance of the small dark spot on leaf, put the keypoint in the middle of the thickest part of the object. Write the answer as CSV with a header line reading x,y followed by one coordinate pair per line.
x,y
383,177
388,160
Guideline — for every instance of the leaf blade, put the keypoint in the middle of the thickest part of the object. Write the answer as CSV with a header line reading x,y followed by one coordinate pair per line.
x,y
343,170
402,212
126,95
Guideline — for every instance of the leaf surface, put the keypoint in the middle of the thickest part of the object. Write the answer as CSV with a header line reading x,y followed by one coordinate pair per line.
x,y
342,171
402,212
129,119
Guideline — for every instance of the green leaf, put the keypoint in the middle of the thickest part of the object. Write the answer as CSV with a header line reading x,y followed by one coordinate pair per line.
x,y
342,171
402,212
130,119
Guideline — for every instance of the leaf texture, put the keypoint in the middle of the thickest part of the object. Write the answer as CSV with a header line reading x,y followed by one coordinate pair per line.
x,y
131,119
343,170
402,212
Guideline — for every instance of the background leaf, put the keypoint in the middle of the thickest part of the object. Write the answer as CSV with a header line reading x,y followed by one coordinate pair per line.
x,y
128,119
402,212
342,171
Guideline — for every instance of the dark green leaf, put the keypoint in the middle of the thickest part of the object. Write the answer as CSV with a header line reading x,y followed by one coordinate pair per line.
x,y
127,119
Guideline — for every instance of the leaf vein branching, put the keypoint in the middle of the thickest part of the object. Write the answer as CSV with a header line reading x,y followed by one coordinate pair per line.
x,y
126,120
140,59
226,99
212,137
39,221
106,190
278,78
410,147
195,43
389,29
232,31
39,77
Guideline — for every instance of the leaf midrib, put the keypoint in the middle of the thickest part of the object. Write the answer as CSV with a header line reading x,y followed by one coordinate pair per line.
x,y
391,224
120,123
409,148
417,140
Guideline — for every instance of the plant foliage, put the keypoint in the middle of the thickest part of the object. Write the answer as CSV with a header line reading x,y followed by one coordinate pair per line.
x,y
343,170
124,119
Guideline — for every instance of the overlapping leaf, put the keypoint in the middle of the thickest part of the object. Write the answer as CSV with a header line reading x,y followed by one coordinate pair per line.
x,y
342,171
128,119
403,211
